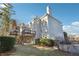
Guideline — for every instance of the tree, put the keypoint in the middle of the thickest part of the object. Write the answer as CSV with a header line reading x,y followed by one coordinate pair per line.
x,y
65,36
5,14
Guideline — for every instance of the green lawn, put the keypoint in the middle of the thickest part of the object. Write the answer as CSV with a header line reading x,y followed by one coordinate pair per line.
x,y
30,50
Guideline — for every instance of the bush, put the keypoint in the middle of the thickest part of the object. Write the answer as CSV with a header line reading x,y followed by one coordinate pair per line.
x,y
6,43
37,41
45,42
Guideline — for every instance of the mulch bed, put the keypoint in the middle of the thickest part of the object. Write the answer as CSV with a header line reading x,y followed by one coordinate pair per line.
x,y
44,47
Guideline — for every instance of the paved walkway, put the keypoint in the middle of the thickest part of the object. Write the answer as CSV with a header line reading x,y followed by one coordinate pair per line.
x,y
31,50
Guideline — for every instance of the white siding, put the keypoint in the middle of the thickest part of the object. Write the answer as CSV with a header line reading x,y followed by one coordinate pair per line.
x,y
55,29
48,26
36,27
44,26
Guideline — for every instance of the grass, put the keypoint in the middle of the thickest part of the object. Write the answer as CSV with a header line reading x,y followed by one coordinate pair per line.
x,y
31,50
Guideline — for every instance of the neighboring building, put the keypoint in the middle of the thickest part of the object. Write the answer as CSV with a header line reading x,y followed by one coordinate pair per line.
x,y
23,33
13,27
74,38
14,24
26,34
47,26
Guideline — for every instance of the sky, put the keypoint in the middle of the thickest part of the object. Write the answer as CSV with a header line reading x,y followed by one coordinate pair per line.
x,y
66,13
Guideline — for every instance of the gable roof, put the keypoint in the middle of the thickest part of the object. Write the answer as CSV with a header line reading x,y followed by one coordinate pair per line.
x,y
51,17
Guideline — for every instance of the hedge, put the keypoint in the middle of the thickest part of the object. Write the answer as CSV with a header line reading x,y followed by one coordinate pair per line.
x,y
6,43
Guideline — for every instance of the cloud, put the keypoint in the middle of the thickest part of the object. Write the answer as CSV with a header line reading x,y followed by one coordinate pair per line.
x,y
73,28
75,23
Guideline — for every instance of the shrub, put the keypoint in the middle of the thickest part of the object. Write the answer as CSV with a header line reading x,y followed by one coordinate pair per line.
x,y
6,43
37,41
45,42
50,42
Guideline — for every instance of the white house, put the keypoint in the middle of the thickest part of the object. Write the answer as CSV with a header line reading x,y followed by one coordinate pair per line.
x,y
47,26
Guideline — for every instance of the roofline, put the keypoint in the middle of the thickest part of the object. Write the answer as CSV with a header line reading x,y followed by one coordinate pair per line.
x,y
50,16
